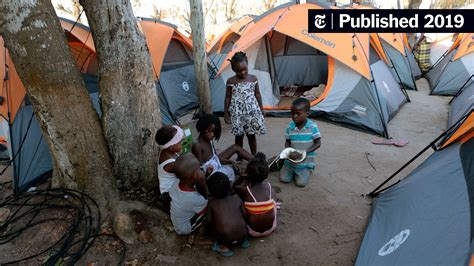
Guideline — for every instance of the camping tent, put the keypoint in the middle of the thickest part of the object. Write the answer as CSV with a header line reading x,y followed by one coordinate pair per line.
x,y
461,104
31,157
455,70
172,67
395,50
281,53
222,43
415,68
172,60
427,217
439,45
393,46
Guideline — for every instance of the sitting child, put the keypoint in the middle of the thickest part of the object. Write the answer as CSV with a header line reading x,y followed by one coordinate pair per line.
x,y
258,198
301,134
225,212
209,128
169,138
188,206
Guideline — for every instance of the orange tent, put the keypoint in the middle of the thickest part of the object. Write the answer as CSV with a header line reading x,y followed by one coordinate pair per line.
x,y
292,21
160,36
281,53
13,91
463,133
454,70
466,45
231,32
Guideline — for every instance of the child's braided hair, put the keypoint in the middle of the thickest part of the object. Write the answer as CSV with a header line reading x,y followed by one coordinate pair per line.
x,y
257,168
238,57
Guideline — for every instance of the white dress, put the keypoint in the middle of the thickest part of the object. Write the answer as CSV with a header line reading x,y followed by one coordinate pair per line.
x,y
245,113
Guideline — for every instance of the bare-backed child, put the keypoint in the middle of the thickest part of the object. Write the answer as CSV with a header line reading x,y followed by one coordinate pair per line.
x,y
226,214
258,197
188,206
169,138
209,128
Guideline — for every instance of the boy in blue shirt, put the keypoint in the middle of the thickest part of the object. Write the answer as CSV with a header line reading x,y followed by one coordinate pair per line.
x,y
301,134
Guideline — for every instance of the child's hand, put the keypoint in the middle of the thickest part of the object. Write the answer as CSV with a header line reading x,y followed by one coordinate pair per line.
x,y
226,118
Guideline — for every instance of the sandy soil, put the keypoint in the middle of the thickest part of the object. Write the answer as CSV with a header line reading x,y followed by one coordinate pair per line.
x,y
323,223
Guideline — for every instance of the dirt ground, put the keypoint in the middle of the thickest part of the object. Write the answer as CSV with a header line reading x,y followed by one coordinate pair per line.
x,y
323,223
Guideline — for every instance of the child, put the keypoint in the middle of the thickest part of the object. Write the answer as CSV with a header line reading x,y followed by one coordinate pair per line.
x,y
225,212
209,128
188,207
169,138
301,134
258,198
243,104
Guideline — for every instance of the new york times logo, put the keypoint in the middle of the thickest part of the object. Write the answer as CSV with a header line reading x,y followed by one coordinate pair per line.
x,y
320,21
388,20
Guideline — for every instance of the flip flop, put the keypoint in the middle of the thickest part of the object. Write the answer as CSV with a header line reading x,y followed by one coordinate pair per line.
x,y
399,143
245,244
382,142
217,248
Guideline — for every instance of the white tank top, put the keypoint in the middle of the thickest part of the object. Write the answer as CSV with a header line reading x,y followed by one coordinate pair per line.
x,y
166,179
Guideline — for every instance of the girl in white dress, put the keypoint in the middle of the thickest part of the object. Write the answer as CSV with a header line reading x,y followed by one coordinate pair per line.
x,y
243,104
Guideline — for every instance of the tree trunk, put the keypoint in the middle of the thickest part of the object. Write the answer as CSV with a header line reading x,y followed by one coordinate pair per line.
x,y
129,101
200,59
70,125
413,4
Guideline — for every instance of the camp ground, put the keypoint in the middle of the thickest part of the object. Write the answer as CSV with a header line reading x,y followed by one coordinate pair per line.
x,y
392,183
455,69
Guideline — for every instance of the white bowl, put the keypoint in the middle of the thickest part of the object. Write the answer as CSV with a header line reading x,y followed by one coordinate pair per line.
x,y
285,154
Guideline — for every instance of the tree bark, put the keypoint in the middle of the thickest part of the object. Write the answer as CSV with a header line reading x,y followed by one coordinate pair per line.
x,y
200,58
70,125
129,101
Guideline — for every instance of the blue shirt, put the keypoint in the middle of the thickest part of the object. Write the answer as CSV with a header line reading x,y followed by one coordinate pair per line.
x,y
302,139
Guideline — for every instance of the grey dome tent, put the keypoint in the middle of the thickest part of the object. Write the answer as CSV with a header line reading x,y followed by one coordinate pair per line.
x,y
461,104
455,70
427,217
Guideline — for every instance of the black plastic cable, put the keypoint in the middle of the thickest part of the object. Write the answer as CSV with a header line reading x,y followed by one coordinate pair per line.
x,y
81,230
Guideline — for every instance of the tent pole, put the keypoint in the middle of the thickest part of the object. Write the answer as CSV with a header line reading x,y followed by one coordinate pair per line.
x,y
432,145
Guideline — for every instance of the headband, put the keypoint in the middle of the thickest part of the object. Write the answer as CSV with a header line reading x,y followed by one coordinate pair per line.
x,y
176,139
